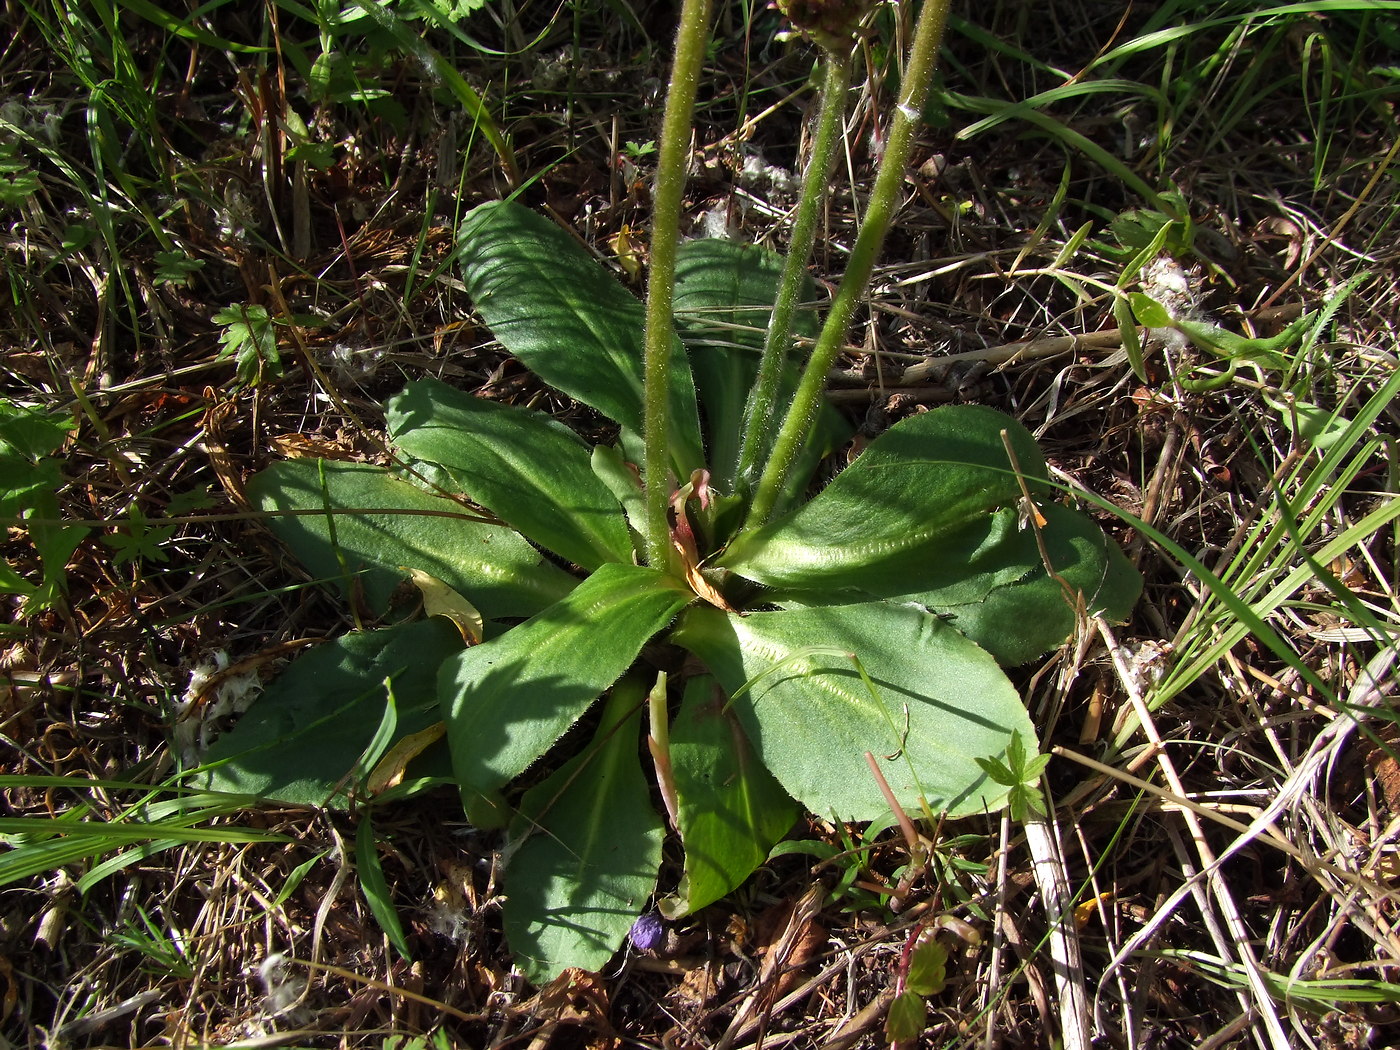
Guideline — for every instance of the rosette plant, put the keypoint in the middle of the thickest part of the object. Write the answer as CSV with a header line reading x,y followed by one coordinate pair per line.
x,y
775,642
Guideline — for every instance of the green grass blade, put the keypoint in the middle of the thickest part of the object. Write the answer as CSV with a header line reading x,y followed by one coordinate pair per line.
x,y
376,887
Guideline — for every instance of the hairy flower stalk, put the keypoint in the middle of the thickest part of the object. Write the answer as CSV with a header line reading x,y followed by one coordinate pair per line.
x,y
918,76
758,419
691,39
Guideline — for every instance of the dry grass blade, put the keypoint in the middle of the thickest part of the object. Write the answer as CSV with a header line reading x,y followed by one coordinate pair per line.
x,y
1067,963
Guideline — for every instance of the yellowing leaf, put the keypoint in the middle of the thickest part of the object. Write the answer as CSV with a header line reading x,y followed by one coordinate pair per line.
x,y
441,600
629,251
389,772
1086,910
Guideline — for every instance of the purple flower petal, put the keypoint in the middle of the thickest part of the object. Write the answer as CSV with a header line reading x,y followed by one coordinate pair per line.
x,y
647,933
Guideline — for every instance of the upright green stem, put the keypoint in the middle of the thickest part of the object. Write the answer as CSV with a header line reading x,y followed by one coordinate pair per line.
x,y
918,76
691,38
758,417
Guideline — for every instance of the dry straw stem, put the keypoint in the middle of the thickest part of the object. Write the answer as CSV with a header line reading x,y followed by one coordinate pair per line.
x,y
394,990
757,1008
993,975
1067,961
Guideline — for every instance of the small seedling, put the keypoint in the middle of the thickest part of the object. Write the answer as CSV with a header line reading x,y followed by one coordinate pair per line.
x,y
29,482
250,338
176,267
923,971
1020,772
139,540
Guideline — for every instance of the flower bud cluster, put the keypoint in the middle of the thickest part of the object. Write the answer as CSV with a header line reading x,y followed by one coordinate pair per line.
x,y
831,23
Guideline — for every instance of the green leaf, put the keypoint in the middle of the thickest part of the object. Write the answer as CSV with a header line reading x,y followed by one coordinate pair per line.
x,y
508,700
1141,234
29,482
1314,424
624,481
30,433
879,524
556,309
139,540
1022,774
1149,311
385,734
817,688
302,740
249,337
591,848
1016,754
725,292
376,888
989,581
293,881
906,1018
521,465
176,267
12,582
928,967
17,182
55,544
373,525
189,501
455,10
1131,338
998,771
723,338
23,482
731,810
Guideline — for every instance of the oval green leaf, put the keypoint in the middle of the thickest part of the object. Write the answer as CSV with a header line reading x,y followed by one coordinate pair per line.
x,y
524,467
731,810
817,688
908,1014
356,525
989,581
1018,620
591,847
724,296
881,520
508,700
304,737
556,309
1149,311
